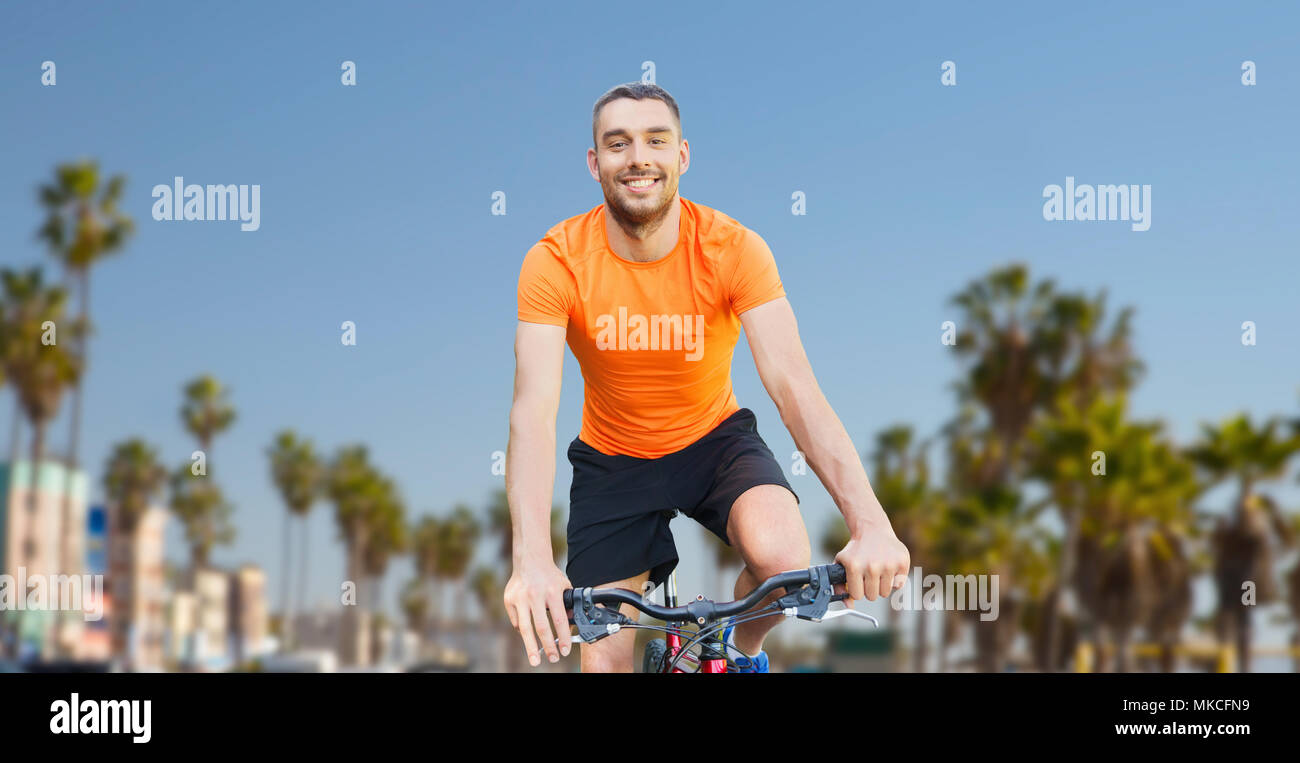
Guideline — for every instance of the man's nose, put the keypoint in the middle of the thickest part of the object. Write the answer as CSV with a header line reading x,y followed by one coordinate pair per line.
x,y
638,156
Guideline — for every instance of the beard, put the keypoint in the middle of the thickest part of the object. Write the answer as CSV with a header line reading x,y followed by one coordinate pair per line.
x,y
639,216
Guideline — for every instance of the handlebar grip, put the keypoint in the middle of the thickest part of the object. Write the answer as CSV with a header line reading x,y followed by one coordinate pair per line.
x,y
568,598
836,572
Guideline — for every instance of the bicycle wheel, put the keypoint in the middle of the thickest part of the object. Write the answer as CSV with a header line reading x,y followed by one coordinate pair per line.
x,y
655,651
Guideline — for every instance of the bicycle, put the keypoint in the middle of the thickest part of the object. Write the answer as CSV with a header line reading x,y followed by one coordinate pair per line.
x,y
809,594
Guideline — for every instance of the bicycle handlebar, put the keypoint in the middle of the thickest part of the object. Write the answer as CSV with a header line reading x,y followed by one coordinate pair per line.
x,y
706,608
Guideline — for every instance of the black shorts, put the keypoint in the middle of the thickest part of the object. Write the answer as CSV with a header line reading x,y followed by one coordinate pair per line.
x,y
620,506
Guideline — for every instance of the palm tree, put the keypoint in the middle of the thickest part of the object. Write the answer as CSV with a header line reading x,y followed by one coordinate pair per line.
x,y
488,592
1293,603
132,477
196,499
206,410
1081,365
1136,519
425,546
298,476
900,477
984,526
1006,344
457,538
1244,540
415,605
34,338
388,536
357,490
82,226
203,512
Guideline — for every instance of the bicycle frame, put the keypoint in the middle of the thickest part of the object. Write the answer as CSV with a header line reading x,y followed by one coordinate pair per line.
x,y
674,641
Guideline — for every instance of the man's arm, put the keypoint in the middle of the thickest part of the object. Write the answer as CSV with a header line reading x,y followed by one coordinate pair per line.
x,y
874,554
536,583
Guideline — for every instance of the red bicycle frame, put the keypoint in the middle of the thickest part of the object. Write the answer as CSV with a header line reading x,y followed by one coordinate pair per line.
x,y
674,641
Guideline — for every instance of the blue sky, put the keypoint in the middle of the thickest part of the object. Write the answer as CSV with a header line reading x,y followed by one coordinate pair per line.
x,y
376,206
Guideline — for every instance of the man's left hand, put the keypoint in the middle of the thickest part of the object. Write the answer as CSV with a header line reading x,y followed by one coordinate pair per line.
x,y
875,563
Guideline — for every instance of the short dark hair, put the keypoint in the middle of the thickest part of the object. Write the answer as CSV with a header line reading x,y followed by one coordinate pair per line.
x,y
637,91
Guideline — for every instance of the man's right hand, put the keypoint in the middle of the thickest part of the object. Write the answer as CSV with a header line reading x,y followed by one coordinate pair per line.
x,y
532,589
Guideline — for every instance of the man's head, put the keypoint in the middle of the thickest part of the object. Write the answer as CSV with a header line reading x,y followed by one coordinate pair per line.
x,y
637,135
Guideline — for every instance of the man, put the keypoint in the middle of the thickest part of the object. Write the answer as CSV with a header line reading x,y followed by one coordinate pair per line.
x,y
650,290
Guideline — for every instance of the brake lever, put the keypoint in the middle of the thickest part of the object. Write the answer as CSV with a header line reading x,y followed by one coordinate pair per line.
x,y
846,612
810,602
595,623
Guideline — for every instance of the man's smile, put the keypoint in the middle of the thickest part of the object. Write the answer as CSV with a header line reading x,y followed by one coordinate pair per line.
x,y
640,184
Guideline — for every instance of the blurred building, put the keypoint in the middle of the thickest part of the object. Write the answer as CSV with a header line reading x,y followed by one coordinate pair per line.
x,y
211,589
248,617
317,631
136,586
181,632
33,537
96,637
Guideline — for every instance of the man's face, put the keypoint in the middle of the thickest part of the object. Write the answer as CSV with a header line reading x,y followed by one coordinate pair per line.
x,y
637,141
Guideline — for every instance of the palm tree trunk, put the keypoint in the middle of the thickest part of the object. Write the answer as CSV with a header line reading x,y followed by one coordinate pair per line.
x,y
15,433
920,650
348,620
1243,639
435,603
38,453
461,618
1065,576
286,567
30,543
945,638
305,572
1121,650
128,610
65,555
355,620
6,622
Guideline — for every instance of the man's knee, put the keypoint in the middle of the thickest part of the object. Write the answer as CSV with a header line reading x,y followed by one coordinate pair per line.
x,y
766,528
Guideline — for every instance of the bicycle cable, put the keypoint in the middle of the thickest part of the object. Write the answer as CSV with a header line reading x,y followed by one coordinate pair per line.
x,y
713,628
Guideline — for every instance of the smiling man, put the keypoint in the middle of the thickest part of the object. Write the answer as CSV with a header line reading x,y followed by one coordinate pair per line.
x,y
650,291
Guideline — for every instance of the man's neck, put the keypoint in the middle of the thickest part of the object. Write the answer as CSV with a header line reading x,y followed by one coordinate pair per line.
x,y
652,241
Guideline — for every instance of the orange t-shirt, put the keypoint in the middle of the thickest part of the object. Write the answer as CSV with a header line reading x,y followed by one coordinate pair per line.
x,y
654,339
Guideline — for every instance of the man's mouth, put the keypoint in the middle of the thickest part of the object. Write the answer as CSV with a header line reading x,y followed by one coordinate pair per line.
x,y
640,185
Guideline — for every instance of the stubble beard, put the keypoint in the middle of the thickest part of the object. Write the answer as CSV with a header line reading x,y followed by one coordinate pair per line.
x,y
643,219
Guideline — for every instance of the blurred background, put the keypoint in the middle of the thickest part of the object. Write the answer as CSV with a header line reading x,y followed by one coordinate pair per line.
x,y
347,511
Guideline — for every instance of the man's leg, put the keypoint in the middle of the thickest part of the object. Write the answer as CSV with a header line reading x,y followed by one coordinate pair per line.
x,y
614,654
766,528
